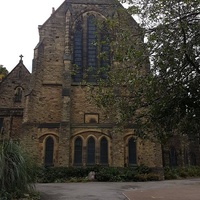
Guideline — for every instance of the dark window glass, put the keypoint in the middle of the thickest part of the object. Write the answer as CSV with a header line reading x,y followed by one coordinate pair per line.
x,y
91,151
132,152
18,94
96,48
172,157
104,151
49,148
91,49
1,125
78,53
78,151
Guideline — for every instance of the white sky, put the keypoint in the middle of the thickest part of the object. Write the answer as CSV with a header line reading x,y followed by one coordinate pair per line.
x,y
19,20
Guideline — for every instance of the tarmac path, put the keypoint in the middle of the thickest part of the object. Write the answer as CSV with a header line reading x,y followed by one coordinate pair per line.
x,y
188,189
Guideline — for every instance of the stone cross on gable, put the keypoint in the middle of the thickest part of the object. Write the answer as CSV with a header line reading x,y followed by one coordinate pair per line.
x,y
21,56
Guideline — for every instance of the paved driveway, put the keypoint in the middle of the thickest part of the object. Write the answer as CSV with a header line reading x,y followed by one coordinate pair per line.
x,y
167,190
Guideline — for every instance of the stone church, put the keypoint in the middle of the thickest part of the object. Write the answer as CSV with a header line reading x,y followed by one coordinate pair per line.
x,y
48,110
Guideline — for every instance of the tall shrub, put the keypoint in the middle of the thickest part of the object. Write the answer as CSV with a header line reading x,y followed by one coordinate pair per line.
x,y
16,175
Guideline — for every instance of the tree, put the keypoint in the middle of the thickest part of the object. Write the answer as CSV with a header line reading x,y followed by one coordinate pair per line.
x,y
166,99
3,72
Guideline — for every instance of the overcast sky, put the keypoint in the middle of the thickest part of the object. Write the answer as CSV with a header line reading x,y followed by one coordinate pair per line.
x,y
19,22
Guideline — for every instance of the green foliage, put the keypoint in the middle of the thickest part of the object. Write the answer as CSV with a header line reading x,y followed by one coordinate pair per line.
x,y
161,96
16,171
63,174
181,172
3,72
107,174
112,174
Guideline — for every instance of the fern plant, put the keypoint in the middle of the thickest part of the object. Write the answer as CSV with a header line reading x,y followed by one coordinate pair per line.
x,y
16,172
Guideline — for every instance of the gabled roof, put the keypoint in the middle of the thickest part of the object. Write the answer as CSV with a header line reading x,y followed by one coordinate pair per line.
x,y
66,3
19,66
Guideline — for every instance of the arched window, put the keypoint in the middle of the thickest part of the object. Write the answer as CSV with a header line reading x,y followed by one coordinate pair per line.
x,y
49,149
172,157
78,52
91,49
18,94
78,151
104,151
132,160
91,151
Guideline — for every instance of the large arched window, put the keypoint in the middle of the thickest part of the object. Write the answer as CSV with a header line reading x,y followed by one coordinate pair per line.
x,y
49,149
78,151
91,151
104,151
91,49
132,160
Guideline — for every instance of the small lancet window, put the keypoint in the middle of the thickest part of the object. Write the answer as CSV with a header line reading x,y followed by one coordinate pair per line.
x,y
18,94
78,145
91,151
132,158
49,149
104,151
